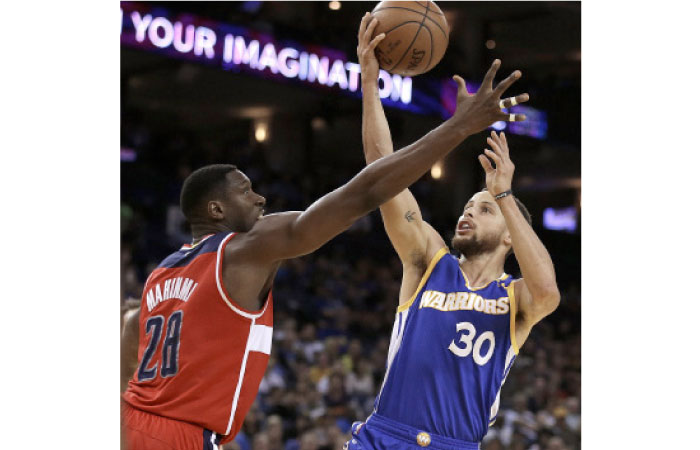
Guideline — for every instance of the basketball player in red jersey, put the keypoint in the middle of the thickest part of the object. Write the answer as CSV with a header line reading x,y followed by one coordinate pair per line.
x,y
205,324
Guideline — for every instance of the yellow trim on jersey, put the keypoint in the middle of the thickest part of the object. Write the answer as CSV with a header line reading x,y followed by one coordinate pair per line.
x,y
466,280
440,253
513,312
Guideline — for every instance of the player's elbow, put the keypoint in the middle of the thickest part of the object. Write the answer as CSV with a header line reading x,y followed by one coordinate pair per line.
x,y
549,299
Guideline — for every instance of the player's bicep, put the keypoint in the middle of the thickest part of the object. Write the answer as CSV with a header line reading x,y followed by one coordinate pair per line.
x,y
407,232
530,309
295,233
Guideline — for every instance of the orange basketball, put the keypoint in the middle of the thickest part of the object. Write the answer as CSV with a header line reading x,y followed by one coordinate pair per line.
x,y
416,36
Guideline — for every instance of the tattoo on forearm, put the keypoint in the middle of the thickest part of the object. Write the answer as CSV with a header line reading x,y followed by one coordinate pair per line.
x,y
409,216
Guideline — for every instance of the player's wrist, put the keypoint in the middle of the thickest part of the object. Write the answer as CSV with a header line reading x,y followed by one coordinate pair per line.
x,y
457,126
370,81
503,194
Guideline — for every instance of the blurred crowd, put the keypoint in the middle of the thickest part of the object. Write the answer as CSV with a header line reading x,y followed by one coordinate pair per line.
x,y
334,311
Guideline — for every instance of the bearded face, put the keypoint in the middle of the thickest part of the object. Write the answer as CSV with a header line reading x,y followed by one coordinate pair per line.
x,y
474,243
480,228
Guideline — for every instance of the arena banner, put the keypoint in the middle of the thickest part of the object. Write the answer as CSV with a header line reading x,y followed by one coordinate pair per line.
x,y
243,50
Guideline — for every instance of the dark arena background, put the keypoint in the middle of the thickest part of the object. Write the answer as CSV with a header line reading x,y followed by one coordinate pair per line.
x,y
273,88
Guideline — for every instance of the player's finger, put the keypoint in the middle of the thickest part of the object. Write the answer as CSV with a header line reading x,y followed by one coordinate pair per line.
x,y
504,143
512,117
494,139
490,75
370,28
371,25
486,164
461,85
377,39
365,36
512,101
363,27
505,84
494,157
495,145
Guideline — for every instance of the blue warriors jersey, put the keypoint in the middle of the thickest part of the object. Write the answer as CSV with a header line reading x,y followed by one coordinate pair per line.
x,y
451,349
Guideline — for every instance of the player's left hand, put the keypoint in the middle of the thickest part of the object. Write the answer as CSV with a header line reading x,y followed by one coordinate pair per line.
x,y
369,66
498,180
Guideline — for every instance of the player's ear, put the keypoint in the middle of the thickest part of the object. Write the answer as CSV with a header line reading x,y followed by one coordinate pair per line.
x,y
215,210
507,240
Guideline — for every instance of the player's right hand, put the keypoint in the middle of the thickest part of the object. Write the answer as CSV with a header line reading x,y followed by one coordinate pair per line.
x,y
478,111
500,178
365,48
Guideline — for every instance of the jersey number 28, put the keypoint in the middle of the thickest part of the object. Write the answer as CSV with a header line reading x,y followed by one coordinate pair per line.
x,y
469,344
171,347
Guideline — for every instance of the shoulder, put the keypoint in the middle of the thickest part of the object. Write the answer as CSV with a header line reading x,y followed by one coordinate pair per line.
x,y
433,248
440,256
514,286
272,223
265,233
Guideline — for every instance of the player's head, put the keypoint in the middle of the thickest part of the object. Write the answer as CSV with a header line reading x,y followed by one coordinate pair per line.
x,y
220,194
482,228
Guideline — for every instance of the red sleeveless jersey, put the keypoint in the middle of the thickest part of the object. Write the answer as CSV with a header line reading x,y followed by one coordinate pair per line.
x,y
201,356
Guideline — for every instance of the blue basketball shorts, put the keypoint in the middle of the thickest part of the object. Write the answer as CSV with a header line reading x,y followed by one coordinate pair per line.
x,y
380,433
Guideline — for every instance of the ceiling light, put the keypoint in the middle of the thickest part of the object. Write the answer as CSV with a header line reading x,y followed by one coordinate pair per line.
x,y
261,131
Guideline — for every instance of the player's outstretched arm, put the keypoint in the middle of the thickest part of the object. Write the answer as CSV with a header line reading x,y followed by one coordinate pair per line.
x,y
414,240
283,236
537,294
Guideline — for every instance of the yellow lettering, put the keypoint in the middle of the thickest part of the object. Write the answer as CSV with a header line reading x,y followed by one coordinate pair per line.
x,y
438,300
460,301
425,299
470,301
503,305
449,302
479,303
490,307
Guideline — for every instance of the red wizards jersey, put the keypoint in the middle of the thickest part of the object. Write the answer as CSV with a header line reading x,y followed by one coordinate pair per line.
x,y
201,356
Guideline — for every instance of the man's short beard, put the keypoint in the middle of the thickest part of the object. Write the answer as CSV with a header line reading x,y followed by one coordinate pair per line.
x,y
470,247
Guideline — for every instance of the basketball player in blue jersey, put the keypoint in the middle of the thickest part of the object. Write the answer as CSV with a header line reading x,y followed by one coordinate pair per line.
x,y
460,321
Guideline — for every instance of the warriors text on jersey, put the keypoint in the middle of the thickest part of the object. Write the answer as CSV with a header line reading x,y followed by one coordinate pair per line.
x,y
451,349
201,356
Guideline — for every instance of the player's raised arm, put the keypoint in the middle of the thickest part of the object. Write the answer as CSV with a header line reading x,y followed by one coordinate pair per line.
x,y
293,234
414,241
537,293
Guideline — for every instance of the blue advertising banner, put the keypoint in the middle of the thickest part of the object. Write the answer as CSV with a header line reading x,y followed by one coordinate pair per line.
x,y
242,50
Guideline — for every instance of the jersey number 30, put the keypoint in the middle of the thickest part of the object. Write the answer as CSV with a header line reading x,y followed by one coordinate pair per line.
x,y
171,347
469,344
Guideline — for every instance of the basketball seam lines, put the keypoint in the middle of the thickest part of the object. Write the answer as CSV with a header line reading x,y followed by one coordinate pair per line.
x,y
431,10
431,48
414,40
417,12
400,25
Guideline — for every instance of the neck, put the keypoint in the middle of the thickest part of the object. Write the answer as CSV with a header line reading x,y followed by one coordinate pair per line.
x,y
482,269
201,230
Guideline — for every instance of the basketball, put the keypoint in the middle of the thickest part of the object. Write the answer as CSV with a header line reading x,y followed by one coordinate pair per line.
x,y
416,36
